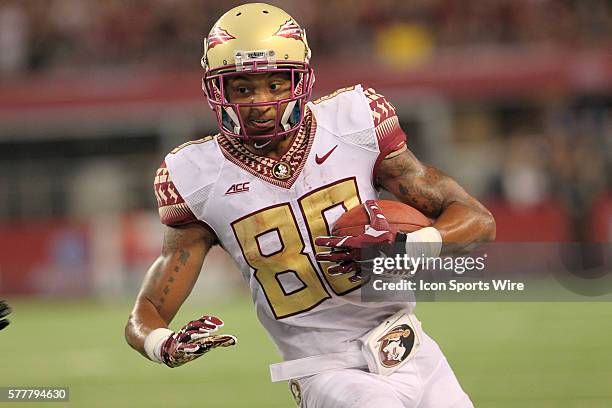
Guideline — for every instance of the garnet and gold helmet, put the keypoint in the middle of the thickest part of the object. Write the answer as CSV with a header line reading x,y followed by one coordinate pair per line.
x,y
257,38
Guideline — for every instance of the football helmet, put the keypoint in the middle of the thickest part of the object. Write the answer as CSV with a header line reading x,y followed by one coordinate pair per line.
x,y
257,38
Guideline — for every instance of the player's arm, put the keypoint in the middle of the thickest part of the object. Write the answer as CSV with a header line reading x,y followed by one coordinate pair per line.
x,y
462,221
165,287
168,281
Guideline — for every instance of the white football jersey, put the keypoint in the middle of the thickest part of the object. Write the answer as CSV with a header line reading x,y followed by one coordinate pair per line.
x,y
267,213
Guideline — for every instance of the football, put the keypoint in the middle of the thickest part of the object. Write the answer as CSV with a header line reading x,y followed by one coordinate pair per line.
x,y
402,217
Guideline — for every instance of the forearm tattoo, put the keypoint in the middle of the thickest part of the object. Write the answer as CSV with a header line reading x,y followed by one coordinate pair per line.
x,y
173,245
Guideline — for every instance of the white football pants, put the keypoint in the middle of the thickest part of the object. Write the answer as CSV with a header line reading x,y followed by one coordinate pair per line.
x,y
426,381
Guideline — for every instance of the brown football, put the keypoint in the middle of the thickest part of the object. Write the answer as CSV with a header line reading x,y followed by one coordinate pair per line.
x,y
402,217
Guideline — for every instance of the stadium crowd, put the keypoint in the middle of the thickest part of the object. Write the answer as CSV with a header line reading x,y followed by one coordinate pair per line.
x,y
37,35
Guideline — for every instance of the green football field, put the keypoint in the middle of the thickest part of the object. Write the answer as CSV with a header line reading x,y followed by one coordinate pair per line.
x,y
504,354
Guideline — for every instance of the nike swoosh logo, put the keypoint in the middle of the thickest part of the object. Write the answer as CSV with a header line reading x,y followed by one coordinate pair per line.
x,y
321,159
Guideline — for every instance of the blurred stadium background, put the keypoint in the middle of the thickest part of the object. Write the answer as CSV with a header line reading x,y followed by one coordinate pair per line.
x,y
512,98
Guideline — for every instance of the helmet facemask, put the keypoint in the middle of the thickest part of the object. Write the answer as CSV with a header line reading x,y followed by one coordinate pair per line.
x,y
288,120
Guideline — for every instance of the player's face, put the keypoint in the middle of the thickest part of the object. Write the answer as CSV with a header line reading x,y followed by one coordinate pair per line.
x,y
254,88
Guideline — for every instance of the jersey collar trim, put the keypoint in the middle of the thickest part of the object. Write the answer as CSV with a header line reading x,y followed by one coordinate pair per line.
x,y
264,167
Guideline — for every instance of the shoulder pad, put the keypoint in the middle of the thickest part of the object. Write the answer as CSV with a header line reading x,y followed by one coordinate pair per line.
x,y
346,113
195,167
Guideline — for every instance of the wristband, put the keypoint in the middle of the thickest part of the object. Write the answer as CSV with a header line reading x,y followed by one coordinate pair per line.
x,y
425,242
154,341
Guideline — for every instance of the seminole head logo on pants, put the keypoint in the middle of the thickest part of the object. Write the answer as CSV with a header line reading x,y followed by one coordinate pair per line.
x,y
395,345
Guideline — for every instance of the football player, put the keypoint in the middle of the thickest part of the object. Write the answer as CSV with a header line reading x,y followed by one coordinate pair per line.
x,y
268,188
5,310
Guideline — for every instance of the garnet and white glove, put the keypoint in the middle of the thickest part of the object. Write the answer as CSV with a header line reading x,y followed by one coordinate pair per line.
x,y
377,240
4,311
192,341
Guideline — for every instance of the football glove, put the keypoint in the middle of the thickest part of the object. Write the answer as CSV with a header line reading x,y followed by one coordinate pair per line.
x,y
5,310
354,253
348,252
190,342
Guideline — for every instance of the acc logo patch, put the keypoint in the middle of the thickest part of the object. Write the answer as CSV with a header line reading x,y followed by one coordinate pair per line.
x,y
238,188
395,346
281,171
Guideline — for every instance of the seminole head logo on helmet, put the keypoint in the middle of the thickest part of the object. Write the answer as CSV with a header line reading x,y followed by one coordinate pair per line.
x,y
252,39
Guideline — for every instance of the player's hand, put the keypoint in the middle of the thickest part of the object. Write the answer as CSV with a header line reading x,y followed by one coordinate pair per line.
x,y
5,310
349,251
193,340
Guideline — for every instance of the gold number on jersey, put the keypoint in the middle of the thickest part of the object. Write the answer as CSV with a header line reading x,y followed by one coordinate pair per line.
x,y
289,258
313,206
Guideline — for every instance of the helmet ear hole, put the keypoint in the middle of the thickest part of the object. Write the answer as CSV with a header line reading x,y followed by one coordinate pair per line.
x,y
295,115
